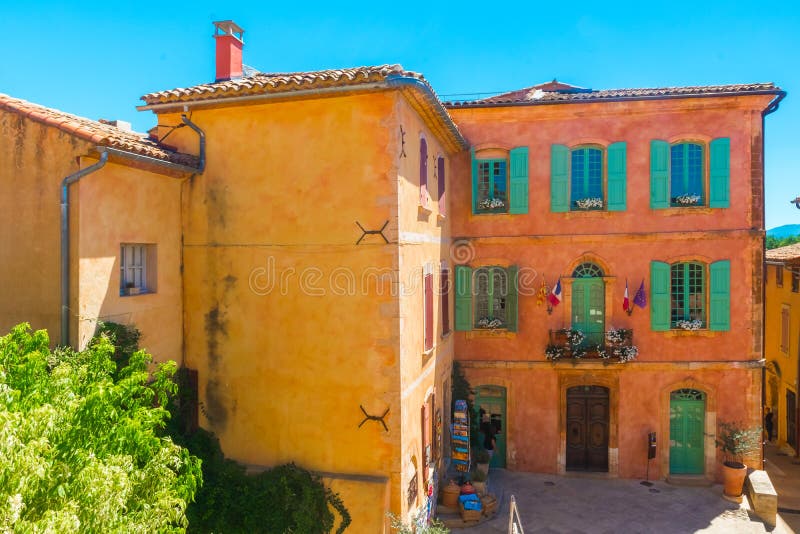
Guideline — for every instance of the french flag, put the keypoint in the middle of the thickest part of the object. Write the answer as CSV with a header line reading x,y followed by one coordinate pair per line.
x,y
554,297
626,304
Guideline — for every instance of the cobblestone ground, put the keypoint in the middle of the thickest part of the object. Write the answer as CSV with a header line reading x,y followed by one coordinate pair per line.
x,y
552,504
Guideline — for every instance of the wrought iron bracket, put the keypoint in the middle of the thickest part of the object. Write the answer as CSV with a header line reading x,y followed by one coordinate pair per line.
x,y
368,417
372,232
402,142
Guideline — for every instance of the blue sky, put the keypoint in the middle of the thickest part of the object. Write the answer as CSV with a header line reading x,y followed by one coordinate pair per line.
x,y
96,59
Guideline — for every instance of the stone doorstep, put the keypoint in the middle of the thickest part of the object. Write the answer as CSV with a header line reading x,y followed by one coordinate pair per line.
x,y
762,496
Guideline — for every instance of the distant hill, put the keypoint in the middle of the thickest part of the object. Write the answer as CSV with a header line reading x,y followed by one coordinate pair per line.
x,y
787,230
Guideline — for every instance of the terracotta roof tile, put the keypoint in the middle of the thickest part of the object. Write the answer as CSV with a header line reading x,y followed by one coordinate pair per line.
x,y
262,83
95,132
556,92
787,253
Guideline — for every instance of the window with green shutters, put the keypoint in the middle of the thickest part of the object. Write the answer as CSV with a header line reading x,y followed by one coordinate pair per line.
x,y
588,178
500,185
690,296
486,298
682,176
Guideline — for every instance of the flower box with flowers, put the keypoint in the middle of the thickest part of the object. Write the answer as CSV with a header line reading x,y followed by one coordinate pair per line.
x,y
687,200
491,204
695,324
571,343
485,322
592,203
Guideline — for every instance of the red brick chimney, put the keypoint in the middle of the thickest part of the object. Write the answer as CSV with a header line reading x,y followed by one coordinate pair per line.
x,y
229,49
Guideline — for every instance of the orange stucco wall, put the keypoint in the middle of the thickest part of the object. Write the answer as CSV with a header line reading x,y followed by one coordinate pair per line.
x,y
114,205
34,159
121,204
292,326
724,365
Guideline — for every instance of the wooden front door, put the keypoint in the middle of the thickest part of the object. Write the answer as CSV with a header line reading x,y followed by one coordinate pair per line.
x,y
588,308
490,405
587,428
687,419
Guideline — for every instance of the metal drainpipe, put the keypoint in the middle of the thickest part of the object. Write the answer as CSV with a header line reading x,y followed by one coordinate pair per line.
x,y
71,179
202,149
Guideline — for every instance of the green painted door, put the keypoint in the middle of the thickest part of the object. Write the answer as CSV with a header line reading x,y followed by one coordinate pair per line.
x,y
490,405
687,417
589,308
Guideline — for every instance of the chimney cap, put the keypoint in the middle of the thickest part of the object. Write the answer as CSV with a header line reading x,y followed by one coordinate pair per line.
x,y
228,27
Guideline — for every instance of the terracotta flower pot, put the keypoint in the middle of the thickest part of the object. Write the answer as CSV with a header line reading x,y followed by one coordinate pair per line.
x,y
734,474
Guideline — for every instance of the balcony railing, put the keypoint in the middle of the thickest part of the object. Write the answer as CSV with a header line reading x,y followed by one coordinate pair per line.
x,y
610,346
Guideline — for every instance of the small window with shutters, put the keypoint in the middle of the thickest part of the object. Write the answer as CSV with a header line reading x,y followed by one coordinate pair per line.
x,y
441,185
690,296
779,275
137,269
486,298
500,185
585,178
795,270
428,303
423,172
690,174
785,324
444,291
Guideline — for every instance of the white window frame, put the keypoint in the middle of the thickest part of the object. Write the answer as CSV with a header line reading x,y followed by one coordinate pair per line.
x,y
129,268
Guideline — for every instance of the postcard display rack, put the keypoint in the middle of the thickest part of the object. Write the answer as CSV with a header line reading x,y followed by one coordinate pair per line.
x,y
461,437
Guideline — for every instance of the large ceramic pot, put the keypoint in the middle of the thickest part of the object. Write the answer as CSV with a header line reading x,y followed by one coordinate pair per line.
x,y
734,474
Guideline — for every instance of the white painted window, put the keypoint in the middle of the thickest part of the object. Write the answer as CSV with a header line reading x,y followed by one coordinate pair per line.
x,y
133,269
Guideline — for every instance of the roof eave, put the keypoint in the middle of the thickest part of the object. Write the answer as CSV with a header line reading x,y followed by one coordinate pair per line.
x,y
450,105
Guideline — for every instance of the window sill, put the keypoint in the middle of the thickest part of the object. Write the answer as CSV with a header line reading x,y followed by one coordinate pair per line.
x,y
588,214
678,210
427,353
441,216
704,332
424,210
138,293
446,335
496,333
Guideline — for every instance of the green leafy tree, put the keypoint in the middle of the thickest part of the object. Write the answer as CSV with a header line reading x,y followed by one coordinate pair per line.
x,y
81,444
777,242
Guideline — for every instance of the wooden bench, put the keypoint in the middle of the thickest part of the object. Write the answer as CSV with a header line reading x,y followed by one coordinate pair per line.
x,y
762,495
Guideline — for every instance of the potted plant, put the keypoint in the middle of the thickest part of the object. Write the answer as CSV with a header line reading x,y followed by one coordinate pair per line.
x,y
482,461
479,478
736,441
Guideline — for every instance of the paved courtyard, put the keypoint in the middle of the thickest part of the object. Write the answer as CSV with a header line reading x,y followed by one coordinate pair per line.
x,y
553,504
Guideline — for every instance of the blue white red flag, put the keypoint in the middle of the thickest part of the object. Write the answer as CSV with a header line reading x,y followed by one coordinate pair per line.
x,y
554,297
626,304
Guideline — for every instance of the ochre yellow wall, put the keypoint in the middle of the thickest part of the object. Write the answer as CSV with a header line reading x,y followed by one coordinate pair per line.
x,y
35,159
424,238
283,370
782,366
120,204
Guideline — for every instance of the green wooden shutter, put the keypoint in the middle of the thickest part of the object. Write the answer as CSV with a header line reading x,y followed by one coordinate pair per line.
x,y
474,181
659,296
659,174
519,180
720,173
512,298
720,308
617,176
559,178
463,298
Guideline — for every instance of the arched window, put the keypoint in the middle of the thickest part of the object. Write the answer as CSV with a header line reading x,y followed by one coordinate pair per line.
x,y
587,270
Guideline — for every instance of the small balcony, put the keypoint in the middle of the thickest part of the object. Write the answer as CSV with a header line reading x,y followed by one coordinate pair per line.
x,y
613,346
